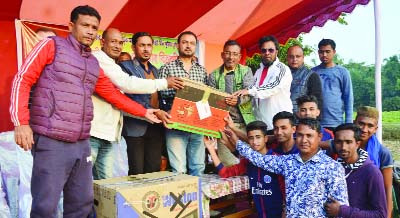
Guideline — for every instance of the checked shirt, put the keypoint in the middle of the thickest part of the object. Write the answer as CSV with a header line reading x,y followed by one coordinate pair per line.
x,y
175,68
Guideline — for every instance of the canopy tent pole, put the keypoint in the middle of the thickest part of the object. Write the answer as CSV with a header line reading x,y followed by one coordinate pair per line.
x,y
378,66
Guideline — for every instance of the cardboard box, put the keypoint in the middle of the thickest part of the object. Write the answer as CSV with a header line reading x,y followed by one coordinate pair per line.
x,y
155,195
185,114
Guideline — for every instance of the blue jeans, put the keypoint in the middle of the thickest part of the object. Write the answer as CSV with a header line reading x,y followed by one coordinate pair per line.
x,y
184,147
102,157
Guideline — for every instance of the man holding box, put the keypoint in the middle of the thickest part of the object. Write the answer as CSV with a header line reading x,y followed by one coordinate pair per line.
x,y
183,147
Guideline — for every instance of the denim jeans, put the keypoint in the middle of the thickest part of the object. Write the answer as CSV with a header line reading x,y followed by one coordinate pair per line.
x,y
102,157
184,147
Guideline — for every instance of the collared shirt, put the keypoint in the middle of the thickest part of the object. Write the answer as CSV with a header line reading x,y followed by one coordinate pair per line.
x,y
308,184
175,68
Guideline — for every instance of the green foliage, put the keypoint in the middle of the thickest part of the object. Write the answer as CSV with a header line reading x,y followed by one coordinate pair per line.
x,y
254,62
363,79
341,19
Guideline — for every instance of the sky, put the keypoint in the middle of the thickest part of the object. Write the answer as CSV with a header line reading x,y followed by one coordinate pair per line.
x,y
356,41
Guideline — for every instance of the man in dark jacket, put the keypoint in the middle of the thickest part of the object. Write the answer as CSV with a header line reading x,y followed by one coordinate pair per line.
x,y
144,140
364,180
57,125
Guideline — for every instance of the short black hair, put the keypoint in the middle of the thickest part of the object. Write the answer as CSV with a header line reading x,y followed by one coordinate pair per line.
x,y
349,126
232,42
265,39
283,115
312,123
257,125
137,35
84,10
325,42
187,33
306,98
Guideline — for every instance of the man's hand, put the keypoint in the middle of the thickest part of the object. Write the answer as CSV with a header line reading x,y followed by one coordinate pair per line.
x,y
175,82
231,100
231,135
23,136
229,122
225,140
241,93
150,114
164,117
210,143
332,207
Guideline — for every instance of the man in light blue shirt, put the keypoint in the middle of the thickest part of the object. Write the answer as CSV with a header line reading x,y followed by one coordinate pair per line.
x,y
311,177
337,90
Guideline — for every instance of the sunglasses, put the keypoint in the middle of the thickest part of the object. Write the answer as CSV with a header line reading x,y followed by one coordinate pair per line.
x,y
269,50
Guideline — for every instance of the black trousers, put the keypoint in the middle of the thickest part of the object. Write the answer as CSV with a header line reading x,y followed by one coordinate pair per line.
x,y
144,152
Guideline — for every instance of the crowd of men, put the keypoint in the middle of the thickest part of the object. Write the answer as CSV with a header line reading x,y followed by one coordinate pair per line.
x,y
285,123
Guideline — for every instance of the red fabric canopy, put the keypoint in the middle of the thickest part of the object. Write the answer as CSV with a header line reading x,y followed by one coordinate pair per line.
x,y
214,21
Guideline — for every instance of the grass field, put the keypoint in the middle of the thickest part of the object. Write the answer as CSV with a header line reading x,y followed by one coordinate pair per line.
x,y
391,117
391,132
394,147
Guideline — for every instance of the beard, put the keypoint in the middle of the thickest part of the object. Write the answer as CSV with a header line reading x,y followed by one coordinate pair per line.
x,y
186,54
266,62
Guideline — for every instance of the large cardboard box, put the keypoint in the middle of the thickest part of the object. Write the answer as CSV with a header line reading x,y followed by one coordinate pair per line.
x,y
155,195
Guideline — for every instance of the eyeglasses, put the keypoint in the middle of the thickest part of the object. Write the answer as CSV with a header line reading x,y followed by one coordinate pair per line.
x,y
232,54
269,50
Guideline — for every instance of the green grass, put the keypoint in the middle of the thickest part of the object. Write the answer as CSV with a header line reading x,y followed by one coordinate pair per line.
x,y
387,117
391,117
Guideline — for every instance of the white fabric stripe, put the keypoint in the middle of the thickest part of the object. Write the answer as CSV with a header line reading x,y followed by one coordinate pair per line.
x,y
282,71
18,78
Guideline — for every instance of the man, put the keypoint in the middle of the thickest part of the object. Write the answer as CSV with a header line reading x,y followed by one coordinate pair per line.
x,y
364,181
305,82
308,107
284,128
232,77
311,177
271,88
182,146
265,186
367,118
144,140
336,83
66,75
107,120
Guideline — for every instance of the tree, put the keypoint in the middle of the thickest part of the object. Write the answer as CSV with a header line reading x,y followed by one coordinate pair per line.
x,y
363,79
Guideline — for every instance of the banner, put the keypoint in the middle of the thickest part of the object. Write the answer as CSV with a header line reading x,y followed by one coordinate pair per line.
x,y
164,49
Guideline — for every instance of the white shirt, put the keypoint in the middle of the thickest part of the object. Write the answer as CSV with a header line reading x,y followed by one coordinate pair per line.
x,y
107,120
273,95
